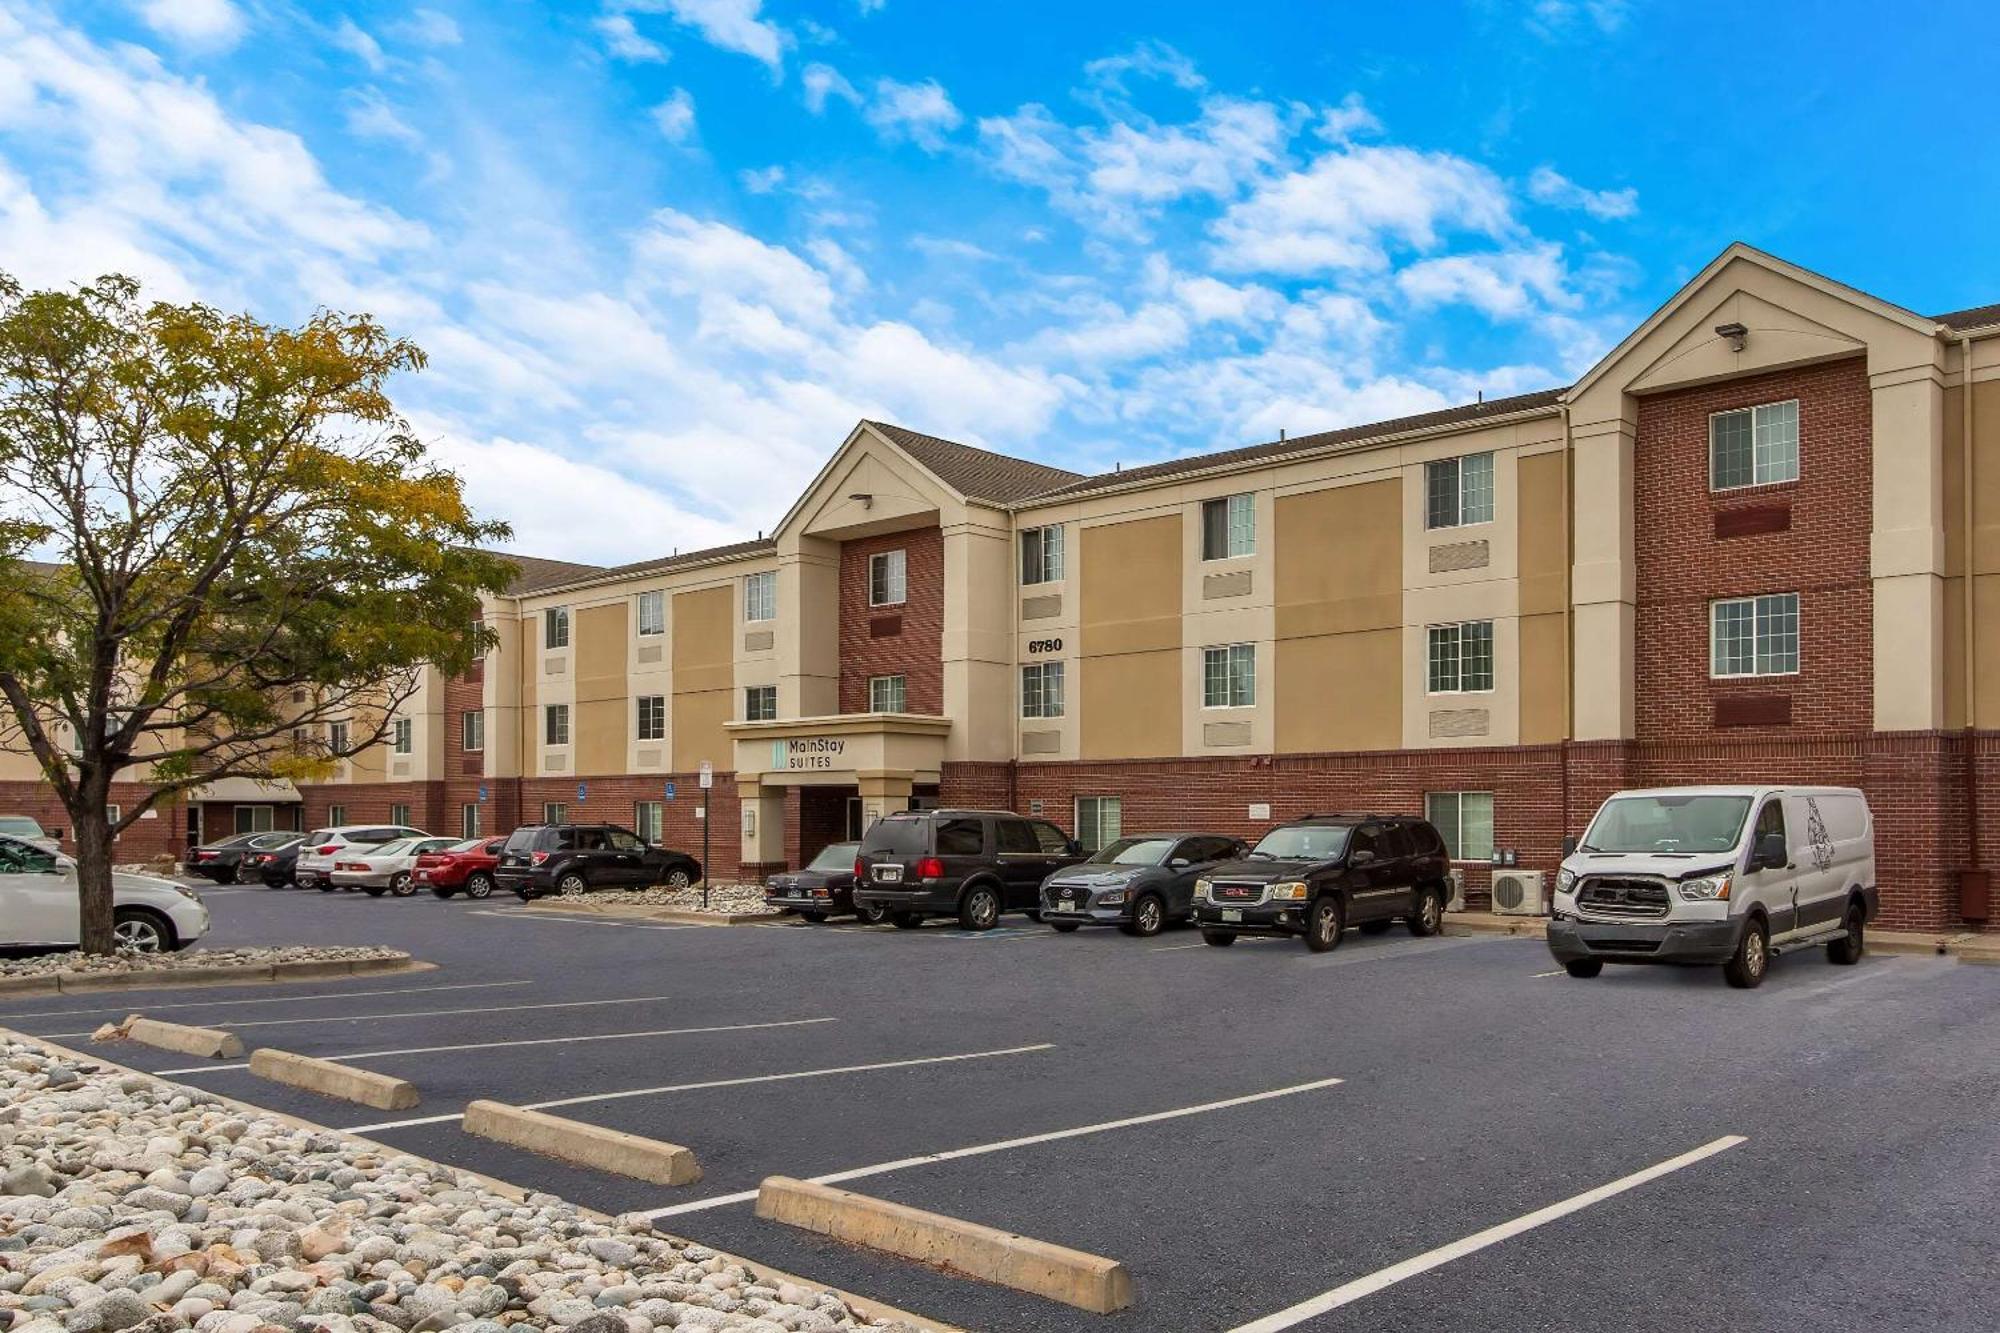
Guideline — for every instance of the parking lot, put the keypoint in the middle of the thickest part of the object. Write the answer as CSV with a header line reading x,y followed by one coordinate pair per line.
x,y
1264,1136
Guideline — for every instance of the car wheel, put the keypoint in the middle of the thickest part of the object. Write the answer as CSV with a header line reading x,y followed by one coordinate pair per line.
x,y
813,918
242,874
1067,927
443,890
1847,949
478,884
873,915
526,895
573,882
980,908
678,878
1149,916
1221,939
1746,967
1584,968
375,890
1428,919
402,885
141,931
906,920
1375,927
1325,921
326,886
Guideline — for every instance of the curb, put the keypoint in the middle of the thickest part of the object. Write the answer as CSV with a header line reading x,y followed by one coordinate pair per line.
x,y
77,983
677,915
865,1306
1966,946
210,1042
1020,1263
330,1079
611,1150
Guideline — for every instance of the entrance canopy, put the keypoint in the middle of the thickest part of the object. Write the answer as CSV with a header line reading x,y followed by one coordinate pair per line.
x,y
247,791
841,750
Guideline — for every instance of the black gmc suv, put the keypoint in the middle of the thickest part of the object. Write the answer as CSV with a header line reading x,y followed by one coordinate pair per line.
x,y
570,858
971,864
1319,875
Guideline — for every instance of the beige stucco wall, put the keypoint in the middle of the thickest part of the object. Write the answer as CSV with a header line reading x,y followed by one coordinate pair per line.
x,y
704,677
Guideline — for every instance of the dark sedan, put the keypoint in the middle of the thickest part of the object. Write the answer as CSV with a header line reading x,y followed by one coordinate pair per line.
x,y
824,888
240,859
1137,884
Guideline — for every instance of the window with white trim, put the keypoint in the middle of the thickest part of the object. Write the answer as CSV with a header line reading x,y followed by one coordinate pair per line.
x,y
887,694
555,724
1229,676
1464,819
1099,821
472,730
399,814
760,703
652,613
555,812
403,734
1458,491
1042,554
555,627
336,737
651,723
468,820
1461,658
1042,689
1754,636
888,578
760,596
255,819
336,816
648,819
1753,446
1229,527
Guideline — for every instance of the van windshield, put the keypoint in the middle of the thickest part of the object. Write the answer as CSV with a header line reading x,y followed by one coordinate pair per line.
x,y
1667,824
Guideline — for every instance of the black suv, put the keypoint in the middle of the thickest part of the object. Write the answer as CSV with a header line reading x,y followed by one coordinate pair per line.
x,y
1319,875
971,864
570,858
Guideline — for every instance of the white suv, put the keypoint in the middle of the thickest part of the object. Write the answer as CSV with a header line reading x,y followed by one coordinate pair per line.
x,y
39,909
322,846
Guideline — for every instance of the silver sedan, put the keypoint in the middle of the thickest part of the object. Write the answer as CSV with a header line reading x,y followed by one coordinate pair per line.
x,y
385,869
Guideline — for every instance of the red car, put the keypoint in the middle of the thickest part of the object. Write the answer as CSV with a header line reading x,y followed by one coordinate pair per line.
x,y
466,866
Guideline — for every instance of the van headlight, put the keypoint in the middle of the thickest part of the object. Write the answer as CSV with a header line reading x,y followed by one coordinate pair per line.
x,y
1291,890
1565,881
1709,888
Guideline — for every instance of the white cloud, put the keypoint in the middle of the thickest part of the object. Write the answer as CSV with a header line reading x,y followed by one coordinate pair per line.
x,y
1554,19
675,116
870,6
1509,284
1352,117
1031,146
1231,142
210,25
733,25
429,27
1548,186
369,116
350,37
1151,60
921,113
824,81
762,180
624,40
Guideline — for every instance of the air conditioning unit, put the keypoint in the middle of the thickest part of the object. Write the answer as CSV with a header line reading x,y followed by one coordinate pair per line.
x,y
1518,893
1457,877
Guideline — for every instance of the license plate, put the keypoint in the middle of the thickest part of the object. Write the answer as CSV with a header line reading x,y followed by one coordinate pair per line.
x,y
424,875
888,874
795,893
1232,914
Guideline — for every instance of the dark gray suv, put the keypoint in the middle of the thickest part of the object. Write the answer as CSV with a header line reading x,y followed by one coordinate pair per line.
x,y
1138,884
971,864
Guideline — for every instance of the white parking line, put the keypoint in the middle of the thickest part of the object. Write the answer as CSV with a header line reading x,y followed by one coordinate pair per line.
x,y
980,1150
1203,944
414,1013
713,1083
543,918
1539,975
1350,1292
126,1008
531,1041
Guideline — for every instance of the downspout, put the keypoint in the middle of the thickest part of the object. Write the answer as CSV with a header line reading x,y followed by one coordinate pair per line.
x,y
1568,626
1969,649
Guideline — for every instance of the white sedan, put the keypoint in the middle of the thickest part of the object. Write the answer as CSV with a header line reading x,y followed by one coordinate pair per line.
x,y
386,868
39,909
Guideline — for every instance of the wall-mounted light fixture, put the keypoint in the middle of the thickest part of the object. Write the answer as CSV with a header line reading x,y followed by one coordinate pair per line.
x,y
867,500
1736,333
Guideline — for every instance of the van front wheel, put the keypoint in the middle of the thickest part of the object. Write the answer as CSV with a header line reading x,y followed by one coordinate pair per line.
x,y
1746,967
1847,949
1585,968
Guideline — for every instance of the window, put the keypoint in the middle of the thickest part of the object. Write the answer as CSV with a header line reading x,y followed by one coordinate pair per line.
x,y
760,703
961,837
652,613
254,819
472,730
402,735
1229,527
1465,820
468,821
652,722
648,818
1099,821
1753,446
887,694
555,719
1755,636
1229,676
1461,658
1770,819
1042,554
1458,491
888,573
336,815
399,814
760,596
555,627
336,737
1042,689
114,813
555,812
1016,837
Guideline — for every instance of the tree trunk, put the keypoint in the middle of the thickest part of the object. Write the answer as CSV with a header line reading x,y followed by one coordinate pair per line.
x,y
93,868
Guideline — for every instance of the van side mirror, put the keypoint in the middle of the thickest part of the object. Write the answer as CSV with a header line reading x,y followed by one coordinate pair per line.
x,y
1770,853
56,833
1569,846
1075,847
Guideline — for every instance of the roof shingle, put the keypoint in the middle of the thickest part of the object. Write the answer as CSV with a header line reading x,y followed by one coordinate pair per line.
x,y
977,474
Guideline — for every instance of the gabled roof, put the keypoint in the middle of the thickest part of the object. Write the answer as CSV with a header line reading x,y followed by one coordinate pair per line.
x,y
576,576
533,572
977,474
1978,317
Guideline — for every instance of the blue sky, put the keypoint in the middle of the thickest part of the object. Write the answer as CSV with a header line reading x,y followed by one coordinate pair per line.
x,y
664,253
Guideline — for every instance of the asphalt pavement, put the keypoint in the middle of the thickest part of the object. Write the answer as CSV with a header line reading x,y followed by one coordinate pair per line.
x,y
1402,1134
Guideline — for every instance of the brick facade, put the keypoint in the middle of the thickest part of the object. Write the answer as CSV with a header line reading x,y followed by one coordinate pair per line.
x,y
609,800
906,640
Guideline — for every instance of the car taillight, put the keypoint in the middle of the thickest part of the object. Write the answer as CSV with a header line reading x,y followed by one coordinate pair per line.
x,y
538,858
265,857
859,869
329,849
930,868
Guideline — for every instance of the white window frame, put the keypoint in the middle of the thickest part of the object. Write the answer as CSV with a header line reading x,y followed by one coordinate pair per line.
x,y
336,736
472,730
1785,412
405,735
236,818
1458,519
1090,828
1452,829
650,613
399,815
760,597
1760,606
468,820
1457,629
656,704
1038,699
895,580
1045,565
555,628
555,812
1228,655
550,731
649,819
336,816
1239,527
897,681
757,691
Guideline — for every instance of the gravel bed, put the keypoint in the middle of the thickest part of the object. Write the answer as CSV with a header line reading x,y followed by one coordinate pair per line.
x,y
722,898
128,1203
127,960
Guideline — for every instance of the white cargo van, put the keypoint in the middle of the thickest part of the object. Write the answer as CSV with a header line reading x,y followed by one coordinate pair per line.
x,y
1729,875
